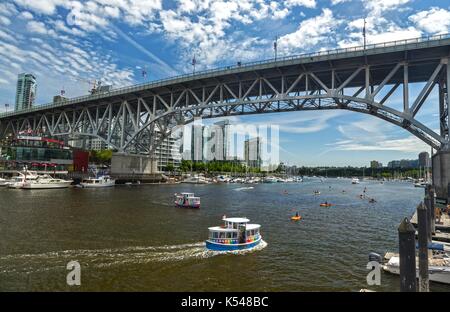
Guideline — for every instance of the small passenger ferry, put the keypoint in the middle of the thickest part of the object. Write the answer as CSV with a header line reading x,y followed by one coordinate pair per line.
x,y
235,234
187,200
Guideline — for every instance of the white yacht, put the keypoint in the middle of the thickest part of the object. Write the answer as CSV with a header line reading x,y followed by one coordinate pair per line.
x,y
102,181
46,182
197,179
3,182
22,177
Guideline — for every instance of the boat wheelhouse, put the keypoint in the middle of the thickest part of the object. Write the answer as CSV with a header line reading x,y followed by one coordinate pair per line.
x,y
235,234
187,200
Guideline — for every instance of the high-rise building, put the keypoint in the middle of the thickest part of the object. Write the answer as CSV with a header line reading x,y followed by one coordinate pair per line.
x,y
25,92
168,153
252,152
424,160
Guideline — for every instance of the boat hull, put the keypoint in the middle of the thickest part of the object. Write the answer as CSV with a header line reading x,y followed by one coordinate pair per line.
x,y
45,186
230,247
187,206
436,274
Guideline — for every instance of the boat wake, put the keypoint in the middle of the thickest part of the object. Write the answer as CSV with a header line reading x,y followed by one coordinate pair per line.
x,y
103,258
244,188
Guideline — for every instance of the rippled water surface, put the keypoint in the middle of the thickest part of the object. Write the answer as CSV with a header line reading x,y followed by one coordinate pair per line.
x,y
134,239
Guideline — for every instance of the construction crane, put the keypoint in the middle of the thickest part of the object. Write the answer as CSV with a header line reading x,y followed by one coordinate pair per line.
x,y
93,84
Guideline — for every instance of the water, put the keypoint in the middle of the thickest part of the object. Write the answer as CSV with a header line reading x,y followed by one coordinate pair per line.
x,y
134,239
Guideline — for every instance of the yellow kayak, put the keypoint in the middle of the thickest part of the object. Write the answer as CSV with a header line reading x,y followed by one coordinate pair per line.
x,y
296,218
326,205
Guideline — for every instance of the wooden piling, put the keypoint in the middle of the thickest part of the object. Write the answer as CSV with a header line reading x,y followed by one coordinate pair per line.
x,y
427,202
422,219
433,210
407,251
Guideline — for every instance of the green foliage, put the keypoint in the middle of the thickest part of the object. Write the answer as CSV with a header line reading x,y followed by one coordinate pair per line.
x,y
216,166
101,157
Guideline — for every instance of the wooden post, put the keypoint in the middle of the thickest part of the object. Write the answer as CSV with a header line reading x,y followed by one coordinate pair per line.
x,y
433,211
427,202
422,219
407,250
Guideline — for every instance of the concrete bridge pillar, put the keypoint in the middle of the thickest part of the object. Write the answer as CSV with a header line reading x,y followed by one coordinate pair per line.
x,y
441,174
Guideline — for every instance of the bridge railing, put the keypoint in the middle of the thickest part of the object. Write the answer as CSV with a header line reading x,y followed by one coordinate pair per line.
x,y
224,69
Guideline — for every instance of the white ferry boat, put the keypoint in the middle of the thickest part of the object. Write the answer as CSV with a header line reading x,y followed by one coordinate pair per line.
x,y
102,181
187,200
46,182
235,234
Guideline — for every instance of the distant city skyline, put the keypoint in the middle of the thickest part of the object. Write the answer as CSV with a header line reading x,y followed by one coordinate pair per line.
x,y
71,47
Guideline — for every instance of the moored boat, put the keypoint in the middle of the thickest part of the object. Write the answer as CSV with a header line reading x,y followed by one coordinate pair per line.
x,y
46,182
235,234
22,177
102,181
438,268
355,181
187,200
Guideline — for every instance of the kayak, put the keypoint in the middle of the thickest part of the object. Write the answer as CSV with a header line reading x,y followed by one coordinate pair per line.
x,y
296,218
326,205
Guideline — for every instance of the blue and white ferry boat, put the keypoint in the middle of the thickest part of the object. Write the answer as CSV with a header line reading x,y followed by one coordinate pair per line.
x,y
235,234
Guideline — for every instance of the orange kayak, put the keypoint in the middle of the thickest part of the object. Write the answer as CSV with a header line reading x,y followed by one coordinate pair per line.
x,y
296,218
326,205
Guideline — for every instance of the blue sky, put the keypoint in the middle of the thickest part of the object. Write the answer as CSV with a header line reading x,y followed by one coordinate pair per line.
x,y
68,43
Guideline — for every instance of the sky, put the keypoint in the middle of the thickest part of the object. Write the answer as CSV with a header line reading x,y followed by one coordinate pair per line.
x,y
68,44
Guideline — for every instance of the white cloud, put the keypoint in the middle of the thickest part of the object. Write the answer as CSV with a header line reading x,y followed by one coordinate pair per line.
x,y
305,3
311,32
334,2
42,6
434,21
376,7
37,27
373,134
4,20
25,15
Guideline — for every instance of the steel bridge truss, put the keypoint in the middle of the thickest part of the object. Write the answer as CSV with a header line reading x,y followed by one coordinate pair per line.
x,y
139,121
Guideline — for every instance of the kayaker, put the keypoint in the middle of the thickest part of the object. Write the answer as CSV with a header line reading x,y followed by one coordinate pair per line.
x,y
296,214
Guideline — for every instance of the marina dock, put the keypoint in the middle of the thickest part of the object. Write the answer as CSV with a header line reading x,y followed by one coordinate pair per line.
x,y
442,227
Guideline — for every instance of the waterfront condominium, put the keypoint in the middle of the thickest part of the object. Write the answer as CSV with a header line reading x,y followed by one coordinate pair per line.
x,y
25,92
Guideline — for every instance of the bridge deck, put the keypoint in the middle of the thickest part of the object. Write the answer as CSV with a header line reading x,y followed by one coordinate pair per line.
x,y
423,54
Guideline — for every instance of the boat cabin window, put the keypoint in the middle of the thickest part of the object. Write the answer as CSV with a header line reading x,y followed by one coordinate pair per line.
x,y
221,234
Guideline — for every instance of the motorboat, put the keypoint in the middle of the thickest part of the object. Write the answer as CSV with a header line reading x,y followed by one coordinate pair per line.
x,y
102,181
355,181
235,234
46,182
187,200
3,182
438,267
197,179
22,177
270,180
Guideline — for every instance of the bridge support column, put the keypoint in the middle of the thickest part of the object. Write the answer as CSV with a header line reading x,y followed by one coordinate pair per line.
x,y
129,164
441,174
